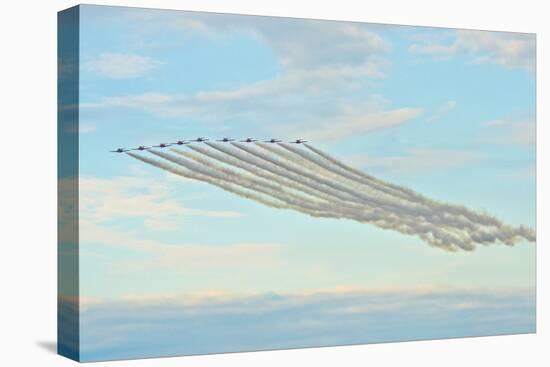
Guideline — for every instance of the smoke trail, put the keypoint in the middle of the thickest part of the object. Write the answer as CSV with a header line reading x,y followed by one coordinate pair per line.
x,y
360,174
298,180
256,170
502,233
320,180
454,209
274,168
441,211
359,195
409,225
292,201
374,216
269,183
336,169
226,187
354,211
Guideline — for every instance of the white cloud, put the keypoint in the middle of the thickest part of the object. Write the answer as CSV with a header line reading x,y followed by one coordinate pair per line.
x,y
182,257
513,131
300,44
120,65
417,161
512,50
354,123
442,111
103,200
325,68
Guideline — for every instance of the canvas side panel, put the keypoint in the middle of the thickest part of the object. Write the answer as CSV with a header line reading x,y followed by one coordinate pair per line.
x,y
67,185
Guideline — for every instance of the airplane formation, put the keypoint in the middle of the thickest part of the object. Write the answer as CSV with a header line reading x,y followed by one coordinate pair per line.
x,y
201,140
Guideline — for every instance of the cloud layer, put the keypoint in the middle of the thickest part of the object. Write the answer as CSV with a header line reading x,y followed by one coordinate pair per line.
x,y
214,322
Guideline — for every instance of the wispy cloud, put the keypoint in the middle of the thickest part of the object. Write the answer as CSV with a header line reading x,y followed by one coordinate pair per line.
x,y
120,65
301,44
182,257
325,73
352,123
418,161
441,111
515,131
103,200
512,50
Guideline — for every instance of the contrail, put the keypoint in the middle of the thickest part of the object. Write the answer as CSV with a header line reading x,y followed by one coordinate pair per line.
x,y
269,183
322,181
336,169
375,216
416,198
358,195
489,237
316,184
404,225
274,168
251,169
455,209
358,173
291,201
227,187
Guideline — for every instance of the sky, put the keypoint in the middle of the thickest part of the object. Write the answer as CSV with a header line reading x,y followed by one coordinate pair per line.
x,y
448,113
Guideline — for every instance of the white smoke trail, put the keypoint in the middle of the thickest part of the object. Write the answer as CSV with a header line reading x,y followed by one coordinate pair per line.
x,y
375,216
270,184
251,169
224,186
356,195
274,168
360,174
502,233
292,201
302,181
405,208
373,183
408,225
483,219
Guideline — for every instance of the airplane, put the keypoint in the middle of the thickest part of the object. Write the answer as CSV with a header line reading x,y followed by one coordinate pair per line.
x,y
162,145
120,150
248,140
298,141
272,141
141,147
225,140
181,142
199,140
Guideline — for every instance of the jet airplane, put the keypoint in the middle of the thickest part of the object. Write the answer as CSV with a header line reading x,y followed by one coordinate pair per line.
x,y
272,141
298,141
248,140
181,142
119,150
225,140
162,145
200,139
141,147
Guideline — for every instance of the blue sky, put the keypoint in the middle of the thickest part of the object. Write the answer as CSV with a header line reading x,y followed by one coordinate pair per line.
x,y
448,113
